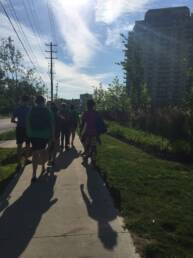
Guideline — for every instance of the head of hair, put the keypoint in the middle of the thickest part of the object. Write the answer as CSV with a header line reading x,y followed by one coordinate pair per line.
x,y
53,107
24,98
90,104
40,100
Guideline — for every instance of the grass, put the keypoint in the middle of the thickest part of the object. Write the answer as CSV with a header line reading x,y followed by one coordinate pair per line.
x,y
7,166
154,197
9,135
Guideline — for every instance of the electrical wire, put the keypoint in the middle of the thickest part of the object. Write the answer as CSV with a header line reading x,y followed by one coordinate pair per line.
x,y
19,38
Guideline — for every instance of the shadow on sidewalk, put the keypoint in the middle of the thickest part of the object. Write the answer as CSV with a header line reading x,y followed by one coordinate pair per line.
x,y
65,158
100,208
20,220
9,185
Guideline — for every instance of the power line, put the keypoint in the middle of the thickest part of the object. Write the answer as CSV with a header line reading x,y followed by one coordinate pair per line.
x,y
35,17
30,21
52,32
21,29
12,25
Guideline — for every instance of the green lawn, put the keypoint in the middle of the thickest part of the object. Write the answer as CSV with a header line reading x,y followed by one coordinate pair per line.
x,y
7,166
154,196
9,135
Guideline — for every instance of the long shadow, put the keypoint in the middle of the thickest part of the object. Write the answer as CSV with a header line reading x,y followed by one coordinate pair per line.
x,y
100,208
65,158
19,221
7,187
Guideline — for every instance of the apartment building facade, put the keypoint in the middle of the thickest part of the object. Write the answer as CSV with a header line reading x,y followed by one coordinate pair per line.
x,y
165,42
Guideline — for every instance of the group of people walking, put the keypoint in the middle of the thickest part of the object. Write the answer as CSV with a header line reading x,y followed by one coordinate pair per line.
x,y
47,126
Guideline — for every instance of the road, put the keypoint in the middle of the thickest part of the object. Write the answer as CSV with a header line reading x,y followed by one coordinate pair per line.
x,y
67,213
5,124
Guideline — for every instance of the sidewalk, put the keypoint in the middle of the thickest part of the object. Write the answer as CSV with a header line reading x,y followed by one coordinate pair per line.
x,y
65,214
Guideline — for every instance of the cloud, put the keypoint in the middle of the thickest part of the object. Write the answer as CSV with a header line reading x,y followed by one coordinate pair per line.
x,y
113,35
73,82
108,11
81,43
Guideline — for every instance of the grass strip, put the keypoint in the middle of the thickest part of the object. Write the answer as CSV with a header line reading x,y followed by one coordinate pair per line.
x,y
9,135
154,197
8,163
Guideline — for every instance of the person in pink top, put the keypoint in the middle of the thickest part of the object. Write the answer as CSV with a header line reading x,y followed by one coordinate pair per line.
x,y
89,129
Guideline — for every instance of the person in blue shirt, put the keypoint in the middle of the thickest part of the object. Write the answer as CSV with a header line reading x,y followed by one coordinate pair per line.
x,y
19,117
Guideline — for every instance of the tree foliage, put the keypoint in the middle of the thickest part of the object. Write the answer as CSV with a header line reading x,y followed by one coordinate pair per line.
x,y
15,79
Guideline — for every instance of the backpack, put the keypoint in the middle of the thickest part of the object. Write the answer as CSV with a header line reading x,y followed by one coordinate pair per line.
x,y
39,118
101,127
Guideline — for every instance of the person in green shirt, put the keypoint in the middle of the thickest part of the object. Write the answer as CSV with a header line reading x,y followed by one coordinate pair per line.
x,y
40,130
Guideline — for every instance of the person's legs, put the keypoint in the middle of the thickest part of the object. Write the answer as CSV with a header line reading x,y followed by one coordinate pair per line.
x,y
19,153
67,138
19,141
55,150
27,150
43,158
73,133
39,155
62,138
43,154
35,158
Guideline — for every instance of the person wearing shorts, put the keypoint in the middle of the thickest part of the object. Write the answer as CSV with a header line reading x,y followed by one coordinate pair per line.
x,y
65,126
54,145
19,117
40,129
89,130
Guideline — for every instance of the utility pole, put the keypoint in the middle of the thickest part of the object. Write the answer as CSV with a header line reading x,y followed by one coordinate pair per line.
x,y
51,58
57,85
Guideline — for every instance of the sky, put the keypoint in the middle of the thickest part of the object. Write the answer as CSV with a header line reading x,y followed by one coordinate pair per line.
x,y
87,35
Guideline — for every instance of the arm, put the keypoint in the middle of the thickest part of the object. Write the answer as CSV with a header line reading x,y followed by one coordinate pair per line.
x,y
13,117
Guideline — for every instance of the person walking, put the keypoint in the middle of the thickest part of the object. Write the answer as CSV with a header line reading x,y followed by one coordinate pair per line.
x,y
54,145
19,117
40,129
65,126
89,132
73,123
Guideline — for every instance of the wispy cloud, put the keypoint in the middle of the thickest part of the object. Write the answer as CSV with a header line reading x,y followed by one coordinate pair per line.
x,y
73,82
79,39
109,10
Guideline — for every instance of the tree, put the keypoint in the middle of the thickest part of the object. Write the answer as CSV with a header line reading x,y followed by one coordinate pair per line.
x,y
113,100
15,79
145,99
11,60
133,67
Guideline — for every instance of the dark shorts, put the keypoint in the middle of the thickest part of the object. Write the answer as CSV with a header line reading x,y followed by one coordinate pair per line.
x,y
39,144
21,135
73,127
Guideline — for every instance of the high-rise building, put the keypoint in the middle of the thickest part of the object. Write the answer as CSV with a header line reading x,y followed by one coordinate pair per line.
x,y
164,41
